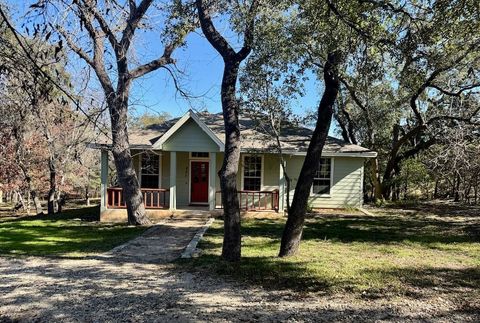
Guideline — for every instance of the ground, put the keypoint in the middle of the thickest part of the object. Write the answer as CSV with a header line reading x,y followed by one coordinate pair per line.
x,y
102,287
74,233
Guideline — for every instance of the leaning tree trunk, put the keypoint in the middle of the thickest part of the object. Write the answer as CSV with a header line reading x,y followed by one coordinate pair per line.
x,y
231,249
293,230
123,161
53,187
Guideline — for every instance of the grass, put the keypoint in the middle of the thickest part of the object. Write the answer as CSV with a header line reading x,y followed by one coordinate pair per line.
x,y
370,255
73,233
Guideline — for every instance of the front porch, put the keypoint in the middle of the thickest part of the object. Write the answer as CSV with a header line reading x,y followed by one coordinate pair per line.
x,y
160,199
187,182
178,171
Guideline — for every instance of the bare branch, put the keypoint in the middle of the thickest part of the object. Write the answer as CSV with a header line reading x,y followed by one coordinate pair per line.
x,y
459,92
155,64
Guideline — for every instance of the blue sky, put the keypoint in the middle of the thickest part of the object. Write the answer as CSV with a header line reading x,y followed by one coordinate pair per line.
x,y
201,67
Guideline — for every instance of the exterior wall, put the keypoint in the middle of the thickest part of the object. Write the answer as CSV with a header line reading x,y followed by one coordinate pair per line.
x,y
271,172
190,137
183,165
346,190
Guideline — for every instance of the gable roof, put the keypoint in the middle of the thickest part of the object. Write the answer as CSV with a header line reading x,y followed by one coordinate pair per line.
x,y
187,116
294,140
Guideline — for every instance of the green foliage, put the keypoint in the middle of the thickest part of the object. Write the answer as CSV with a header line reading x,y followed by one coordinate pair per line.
x,y
416,178
148,119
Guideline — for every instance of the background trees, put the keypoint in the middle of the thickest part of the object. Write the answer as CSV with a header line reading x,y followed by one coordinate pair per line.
x,y
42,134
102,34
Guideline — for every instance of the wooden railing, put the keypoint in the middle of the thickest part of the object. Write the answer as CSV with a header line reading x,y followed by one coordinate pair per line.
x,y
253,200
154,198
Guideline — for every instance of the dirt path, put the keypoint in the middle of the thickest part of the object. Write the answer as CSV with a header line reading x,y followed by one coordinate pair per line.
x,y
137,283
45,290
161,243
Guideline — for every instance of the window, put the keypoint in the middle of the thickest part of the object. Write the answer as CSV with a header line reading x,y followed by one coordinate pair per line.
x,y
150,170
196,154
322,179
252,173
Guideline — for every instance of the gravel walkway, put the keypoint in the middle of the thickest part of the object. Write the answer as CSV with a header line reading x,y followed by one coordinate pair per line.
x,y
162,243
128,286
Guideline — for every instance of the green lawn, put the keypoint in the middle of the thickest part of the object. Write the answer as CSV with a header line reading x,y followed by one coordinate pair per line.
x,y
385,254
74,233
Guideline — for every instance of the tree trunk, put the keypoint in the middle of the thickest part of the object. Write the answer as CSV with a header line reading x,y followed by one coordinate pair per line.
x,y
36,202
231,250
374,176
87,195
457,189
123,161
293,230
53,187
15,198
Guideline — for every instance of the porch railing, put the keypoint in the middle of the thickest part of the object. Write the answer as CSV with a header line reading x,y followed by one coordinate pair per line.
x,y
253,200
154,198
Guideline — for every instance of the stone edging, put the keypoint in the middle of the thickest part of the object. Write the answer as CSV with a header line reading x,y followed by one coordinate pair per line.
x,y
361,209
192,246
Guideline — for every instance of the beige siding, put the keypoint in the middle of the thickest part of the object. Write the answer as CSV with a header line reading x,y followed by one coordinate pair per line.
x,y
346,190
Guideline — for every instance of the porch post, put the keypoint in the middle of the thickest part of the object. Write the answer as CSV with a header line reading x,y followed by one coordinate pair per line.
x,y
173,180
281,190
213,175
103,179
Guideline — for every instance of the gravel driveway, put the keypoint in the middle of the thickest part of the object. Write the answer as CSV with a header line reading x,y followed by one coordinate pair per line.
x,y
137,284
45,290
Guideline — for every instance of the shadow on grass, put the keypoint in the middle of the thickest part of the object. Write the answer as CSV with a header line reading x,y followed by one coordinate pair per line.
x,y
277,274
262,237
267,272
360,228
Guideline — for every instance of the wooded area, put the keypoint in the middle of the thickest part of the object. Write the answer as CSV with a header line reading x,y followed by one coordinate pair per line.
x,y
398,77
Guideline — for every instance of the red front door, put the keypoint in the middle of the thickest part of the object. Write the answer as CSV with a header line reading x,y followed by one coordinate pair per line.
x,y
199,182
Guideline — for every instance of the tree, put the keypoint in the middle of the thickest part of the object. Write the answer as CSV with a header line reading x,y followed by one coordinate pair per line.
x,y
231,250
93,31
318,39
403,94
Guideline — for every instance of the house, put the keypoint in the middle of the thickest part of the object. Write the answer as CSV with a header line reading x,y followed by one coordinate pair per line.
x,y
177,163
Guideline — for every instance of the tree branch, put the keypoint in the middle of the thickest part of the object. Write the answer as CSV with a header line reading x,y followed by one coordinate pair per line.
x,y
248,34
212,35
459,92
155,64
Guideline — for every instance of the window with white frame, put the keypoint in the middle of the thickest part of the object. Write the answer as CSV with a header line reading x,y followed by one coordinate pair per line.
x,y
252,173
150,170
322,181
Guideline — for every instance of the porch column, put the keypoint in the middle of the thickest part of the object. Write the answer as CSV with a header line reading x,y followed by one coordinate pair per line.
x,y
173,180
212,173
281,190
103,179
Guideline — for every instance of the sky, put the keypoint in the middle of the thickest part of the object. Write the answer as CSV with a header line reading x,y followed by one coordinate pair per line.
x,y
201,72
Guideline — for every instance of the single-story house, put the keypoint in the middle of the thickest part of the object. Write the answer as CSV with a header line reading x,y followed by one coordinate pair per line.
x,y
177,163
